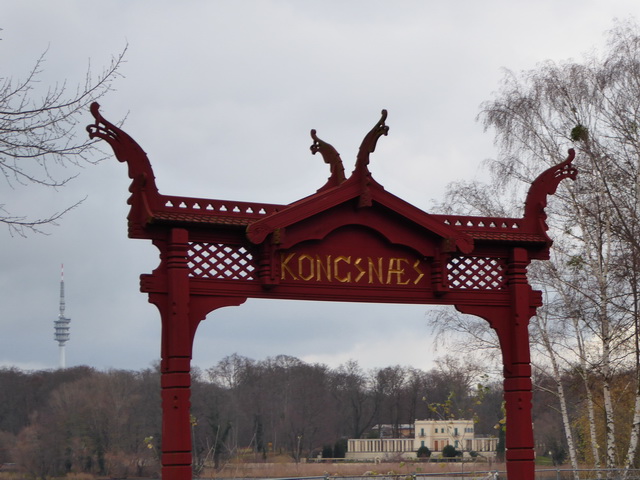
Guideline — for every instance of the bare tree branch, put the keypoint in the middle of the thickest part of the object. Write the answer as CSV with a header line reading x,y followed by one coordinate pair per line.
x,y
38,140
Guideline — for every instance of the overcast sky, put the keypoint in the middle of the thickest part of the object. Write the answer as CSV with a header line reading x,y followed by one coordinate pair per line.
x,y
222,95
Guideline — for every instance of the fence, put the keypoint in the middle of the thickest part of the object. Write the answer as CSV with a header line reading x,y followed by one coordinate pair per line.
x,y
588,474
546,474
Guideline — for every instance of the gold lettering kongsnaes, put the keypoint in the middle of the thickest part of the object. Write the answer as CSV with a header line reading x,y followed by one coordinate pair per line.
x,y
392,271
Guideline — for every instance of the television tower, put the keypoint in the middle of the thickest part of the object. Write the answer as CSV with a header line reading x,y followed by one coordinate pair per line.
x,y
61,325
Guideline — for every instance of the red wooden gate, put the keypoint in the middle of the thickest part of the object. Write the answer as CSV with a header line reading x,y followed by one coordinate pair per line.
x,y
349,241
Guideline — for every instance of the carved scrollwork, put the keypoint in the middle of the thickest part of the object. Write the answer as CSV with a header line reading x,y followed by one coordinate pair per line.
x,y
145,197
367,147
546,184
125,149
331,157
370,141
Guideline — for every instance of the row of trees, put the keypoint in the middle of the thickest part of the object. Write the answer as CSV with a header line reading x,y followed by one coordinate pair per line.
x,y
109,423
285,405
587,333
53,422
80,419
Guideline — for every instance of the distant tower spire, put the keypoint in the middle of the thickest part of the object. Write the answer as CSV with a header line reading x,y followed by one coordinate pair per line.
x,y
61,325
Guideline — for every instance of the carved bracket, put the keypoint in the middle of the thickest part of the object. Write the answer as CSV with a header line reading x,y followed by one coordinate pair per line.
x,y
546,184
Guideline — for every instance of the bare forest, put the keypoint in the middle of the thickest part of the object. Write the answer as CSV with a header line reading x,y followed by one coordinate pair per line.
x,y
277,409
109,422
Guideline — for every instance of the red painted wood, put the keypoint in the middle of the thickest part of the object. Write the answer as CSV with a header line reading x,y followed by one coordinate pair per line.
x,y
350,241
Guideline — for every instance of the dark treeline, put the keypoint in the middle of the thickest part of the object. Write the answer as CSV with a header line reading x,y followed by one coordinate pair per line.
x,y
287,406
109,422
78,420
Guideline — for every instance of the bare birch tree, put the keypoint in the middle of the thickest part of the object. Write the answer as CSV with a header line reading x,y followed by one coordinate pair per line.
x,y
567,307
594,106
545,324
592,283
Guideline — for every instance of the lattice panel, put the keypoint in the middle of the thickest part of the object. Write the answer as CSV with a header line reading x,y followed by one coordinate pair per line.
x,y
476,273
220,261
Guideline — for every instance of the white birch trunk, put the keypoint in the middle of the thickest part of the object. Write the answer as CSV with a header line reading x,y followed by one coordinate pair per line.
x,y
635,434
595,451
543,328
565,417
598,247
606,370
606,354
605,333
609,424
635,427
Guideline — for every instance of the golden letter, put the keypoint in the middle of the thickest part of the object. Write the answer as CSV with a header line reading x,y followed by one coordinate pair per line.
x,y
421,274
361,270
322,267
284,264
336,275
312,264
372,270
395,268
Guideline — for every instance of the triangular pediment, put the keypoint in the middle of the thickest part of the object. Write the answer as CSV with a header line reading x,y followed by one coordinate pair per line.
x,y
399,222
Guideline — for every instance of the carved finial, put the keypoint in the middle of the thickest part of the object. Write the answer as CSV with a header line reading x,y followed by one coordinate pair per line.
x,y
125,149
367,147
370,140
107,131
546,184
331,157
96,130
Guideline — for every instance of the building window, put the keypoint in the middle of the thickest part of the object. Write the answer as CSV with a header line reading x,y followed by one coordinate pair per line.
x,y
422,432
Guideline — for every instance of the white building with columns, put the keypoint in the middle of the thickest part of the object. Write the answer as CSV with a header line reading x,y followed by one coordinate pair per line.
x,y
433,434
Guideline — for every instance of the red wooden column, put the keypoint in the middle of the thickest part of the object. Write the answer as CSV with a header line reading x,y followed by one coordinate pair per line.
x,y
175,365
181,312
511,324
517,369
